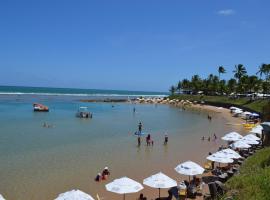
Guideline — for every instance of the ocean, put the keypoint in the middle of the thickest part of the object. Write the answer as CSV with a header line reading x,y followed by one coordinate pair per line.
x,y
38,163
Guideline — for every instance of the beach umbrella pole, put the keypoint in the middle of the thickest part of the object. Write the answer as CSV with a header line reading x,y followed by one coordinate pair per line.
x,y
159,193
124,196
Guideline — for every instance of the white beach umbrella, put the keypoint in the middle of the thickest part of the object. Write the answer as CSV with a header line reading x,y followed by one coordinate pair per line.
x,y
159,181
240,144
247,113
238,111
233,108
257,130
220,158
230,153
74,195
124,186
251,137
232,136
249,141
1,197
189,168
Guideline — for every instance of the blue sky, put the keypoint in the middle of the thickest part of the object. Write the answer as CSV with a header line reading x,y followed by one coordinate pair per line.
x,y
124,44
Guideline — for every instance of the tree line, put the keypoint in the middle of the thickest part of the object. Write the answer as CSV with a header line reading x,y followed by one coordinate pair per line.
x,y
213,85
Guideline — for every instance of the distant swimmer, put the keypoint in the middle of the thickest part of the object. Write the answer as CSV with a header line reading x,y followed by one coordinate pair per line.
x,y
98,177
105,173
209,139
134,110
202,138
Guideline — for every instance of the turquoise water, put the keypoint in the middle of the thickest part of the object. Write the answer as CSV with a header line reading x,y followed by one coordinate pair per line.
x,y
39,163
18,90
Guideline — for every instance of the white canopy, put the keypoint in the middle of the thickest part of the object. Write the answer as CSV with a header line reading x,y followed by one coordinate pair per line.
x,y
159,180
238,111
74,195
240,145
232,136
257,130
124,185
216,157
249,141
189,168
230,153
251,137
233,108
247,113
1,197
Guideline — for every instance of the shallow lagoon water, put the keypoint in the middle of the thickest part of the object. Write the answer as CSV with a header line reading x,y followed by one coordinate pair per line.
x,y
39,163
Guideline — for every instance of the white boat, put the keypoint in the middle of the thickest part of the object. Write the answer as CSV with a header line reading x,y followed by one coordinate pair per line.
x,y
83,113
40,108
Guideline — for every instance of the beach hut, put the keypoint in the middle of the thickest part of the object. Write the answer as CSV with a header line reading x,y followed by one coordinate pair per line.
x,y
159,181
232,136
124,186
189,168
74,195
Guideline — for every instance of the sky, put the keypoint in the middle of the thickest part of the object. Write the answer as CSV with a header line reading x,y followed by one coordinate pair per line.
x,y
144,45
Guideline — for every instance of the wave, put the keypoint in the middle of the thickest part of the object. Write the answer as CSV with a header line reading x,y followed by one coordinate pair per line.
x,y
83,95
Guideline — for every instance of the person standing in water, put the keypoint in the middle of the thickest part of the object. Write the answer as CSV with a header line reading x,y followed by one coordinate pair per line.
x,y
140,127
166,139
139,141
134,110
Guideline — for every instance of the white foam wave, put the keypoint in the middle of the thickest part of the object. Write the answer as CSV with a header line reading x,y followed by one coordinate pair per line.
x,y
83,95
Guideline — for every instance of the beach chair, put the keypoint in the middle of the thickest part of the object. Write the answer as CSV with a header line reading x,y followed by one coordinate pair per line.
x,y
182,193
208,166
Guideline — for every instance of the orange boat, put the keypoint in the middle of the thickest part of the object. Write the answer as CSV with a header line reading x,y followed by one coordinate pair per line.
x,y
40,108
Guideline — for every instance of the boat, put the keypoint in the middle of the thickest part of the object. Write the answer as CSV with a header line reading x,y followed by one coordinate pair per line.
x,y
40,108
83,113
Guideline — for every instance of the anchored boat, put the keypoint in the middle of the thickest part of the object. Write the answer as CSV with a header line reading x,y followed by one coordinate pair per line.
x,y
83,113
40,108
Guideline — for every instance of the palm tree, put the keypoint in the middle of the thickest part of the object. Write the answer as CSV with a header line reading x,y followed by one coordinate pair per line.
x,y
221,70
264,69
231,85
239,71
172,90
179,86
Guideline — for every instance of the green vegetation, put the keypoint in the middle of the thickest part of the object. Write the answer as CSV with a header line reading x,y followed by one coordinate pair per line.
x,y
257,105
241,83
253,182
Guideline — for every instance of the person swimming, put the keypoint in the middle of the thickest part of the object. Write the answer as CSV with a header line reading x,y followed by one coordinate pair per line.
x,y
105,173
98,177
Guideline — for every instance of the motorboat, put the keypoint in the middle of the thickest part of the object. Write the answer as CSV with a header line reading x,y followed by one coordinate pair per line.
x,y
83,113
40,108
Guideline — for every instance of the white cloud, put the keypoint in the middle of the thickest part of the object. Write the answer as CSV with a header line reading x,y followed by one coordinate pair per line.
x,y
226,12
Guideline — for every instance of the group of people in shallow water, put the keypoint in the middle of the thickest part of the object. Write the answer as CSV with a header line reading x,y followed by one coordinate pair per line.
x,y
104,175
209,138
149,140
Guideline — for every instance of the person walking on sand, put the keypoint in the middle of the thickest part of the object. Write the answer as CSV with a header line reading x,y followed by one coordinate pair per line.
x,y
166,139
